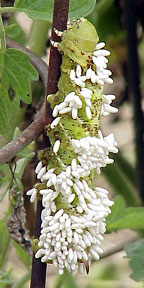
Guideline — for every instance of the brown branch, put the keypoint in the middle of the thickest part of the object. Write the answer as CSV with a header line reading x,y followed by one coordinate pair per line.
x,y
11,149
35,60
60,23
27,136
60,16
131,20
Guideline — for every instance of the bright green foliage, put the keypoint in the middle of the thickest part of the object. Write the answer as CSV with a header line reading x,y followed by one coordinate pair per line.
x,y
21,165
36,9
5,280
69,281
81,8
117,209
15,32
5,178
22,255
43,10
66,281
126,168
121,184
4,242
18,168
105,18
15,74
135,252
122,218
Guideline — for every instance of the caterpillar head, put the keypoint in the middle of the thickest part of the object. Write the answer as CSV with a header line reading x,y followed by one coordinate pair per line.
x,y
79,41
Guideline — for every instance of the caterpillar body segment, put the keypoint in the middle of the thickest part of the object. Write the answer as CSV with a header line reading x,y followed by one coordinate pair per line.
x,y
73,218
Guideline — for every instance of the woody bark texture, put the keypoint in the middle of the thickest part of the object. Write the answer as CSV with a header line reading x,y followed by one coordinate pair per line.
x,y
60,16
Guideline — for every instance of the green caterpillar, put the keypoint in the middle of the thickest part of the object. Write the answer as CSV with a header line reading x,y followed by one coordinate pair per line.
x,y
76,51
73,218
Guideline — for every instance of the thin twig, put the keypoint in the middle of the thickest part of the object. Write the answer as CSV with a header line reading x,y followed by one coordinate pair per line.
x,y
27,136
119,247
134,89
60,16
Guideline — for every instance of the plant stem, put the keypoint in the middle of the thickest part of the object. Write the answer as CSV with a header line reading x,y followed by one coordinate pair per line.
x,y
38,275
27,136
38,36
134,89
60,23
9,10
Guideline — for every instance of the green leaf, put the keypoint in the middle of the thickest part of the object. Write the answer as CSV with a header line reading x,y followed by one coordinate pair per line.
x,y
12,30
69,281
18,168
126,167
5,178
121,185
15,75
15,32
65,281
36,9
135,252
5,174
21,165
22,255
131,218
43,10
81,8
5,280
4,242
117,209
105,17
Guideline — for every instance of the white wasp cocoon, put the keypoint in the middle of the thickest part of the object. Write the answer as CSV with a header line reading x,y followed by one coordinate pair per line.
x,y
56,146
55,122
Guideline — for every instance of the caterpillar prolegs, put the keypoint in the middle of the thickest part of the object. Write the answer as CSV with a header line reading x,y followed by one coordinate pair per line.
x,y
73,217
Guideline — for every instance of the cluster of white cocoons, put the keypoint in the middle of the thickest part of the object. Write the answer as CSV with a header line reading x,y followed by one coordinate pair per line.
x,y
94,151
72,102
71,236
69,239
